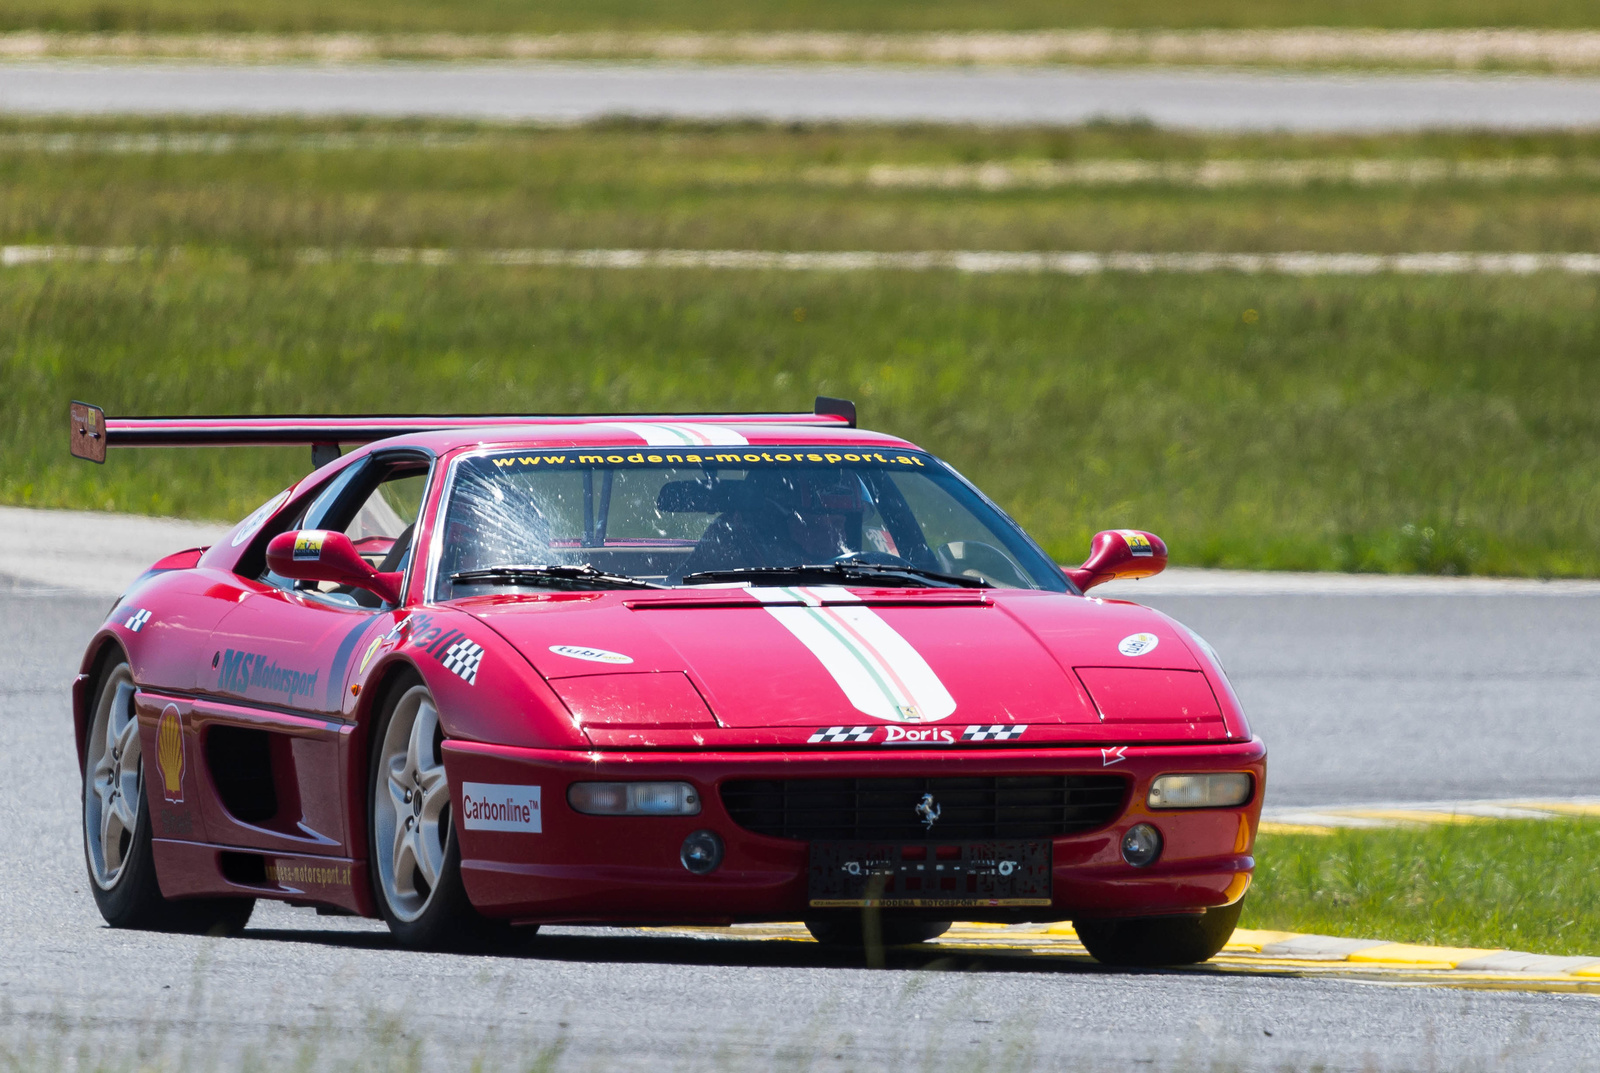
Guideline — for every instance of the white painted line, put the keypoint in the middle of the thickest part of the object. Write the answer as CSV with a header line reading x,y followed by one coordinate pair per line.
x,y
1193,581
1320,946
1201,174
1394,814
981,262
1515,961
1209,174
1460,49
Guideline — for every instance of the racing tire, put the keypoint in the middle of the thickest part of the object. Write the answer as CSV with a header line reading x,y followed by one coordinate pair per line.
x,y
415,856
117,845
1149,941
851,931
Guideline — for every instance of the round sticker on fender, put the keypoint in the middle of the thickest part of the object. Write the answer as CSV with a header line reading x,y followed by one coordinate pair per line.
x,y
1137,644
593,655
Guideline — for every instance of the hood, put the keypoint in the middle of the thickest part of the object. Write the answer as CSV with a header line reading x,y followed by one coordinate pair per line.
x,y
917,663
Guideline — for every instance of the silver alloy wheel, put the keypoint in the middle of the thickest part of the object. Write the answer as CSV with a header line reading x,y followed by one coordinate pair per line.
x,y
410,807
115,765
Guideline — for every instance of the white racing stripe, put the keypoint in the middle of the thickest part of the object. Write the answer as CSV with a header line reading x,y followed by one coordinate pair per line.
x,y
879,671
682,434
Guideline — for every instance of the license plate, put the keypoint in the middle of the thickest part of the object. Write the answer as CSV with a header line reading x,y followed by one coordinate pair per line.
x,y
931,875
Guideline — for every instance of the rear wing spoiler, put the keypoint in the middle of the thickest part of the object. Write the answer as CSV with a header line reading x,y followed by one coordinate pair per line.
x,y
93,432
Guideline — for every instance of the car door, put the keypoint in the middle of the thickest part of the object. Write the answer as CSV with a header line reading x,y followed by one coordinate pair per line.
x,y
271,715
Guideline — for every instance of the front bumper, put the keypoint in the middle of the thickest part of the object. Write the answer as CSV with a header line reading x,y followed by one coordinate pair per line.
x,y
626,869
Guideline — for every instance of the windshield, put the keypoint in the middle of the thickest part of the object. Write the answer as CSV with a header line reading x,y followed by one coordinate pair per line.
x,y
895,517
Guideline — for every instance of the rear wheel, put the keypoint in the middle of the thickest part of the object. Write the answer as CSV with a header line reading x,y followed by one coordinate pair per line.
x,y
854,931
416,860
116,828
1186,940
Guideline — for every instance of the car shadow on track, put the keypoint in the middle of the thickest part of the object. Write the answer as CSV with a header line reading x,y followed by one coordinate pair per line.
x,y
625,948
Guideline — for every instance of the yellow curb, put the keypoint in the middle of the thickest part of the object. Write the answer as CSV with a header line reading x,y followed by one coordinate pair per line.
x,y
1588,972
1401,815
1268,827
1446,957
1565,808
1253,940
1061,929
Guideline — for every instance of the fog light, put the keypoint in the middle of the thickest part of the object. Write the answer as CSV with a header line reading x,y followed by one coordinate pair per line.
x,y
1141,845
1225,790
634,798
702,852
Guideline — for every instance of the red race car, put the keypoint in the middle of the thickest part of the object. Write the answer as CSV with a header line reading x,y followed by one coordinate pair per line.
x,y
486,671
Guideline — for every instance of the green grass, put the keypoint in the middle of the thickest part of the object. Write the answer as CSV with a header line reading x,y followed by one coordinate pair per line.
x,y
768,187
1510,884
493,16
1390,423
1312,437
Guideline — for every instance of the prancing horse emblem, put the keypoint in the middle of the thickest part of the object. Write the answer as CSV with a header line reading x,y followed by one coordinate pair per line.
x,y
928,812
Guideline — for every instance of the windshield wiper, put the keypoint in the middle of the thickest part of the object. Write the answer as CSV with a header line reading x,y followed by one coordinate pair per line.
x,y
834,572
584,576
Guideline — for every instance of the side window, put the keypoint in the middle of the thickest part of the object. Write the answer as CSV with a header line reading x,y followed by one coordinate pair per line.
x,y
382,526
376,505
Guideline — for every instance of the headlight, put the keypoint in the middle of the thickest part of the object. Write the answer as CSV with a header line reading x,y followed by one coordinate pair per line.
x,y
1201,791
634,798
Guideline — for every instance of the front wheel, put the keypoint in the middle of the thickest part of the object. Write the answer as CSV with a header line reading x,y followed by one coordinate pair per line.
x,y
416,859
116,828
1186,940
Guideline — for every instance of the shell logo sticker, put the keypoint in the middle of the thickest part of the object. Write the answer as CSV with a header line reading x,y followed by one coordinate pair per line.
x,y
308,545
1138,545
593,655
169,754
1137,644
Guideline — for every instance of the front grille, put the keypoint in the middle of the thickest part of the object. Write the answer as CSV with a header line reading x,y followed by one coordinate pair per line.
x,y
970,809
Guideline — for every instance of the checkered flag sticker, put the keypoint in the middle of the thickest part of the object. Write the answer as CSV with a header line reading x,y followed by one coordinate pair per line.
x,y
462,658
996,732
137,620
842,734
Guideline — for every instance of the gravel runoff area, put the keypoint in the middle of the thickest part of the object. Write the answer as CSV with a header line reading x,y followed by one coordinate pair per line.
x,y
1499,48
556,92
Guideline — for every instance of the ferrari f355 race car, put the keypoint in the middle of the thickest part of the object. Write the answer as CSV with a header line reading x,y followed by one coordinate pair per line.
x,y
517,670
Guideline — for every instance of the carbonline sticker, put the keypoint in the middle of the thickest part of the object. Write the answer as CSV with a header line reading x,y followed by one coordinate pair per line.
x,y
1138,644
879,671
137,620
489,806
248,527
682,434
593,655
169,754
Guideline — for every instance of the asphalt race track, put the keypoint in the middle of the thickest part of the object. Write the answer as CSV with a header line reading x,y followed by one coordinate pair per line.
x,y
1445,696
573,92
